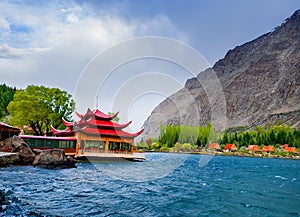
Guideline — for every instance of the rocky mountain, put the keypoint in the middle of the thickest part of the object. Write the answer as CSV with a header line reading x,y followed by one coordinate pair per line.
x,y
254,84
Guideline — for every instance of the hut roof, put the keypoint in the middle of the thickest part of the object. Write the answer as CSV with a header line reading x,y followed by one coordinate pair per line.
x,y
253,148
214,146
230,147
291,149
268,148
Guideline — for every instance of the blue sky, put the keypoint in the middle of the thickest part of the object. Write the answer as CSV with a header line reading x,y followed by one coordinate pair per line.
x,y
50,42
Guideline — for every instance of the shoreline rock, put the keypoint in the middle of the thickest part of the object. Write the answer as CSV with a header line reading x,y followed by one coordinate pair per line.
x,y
7,159
18,152
15,152
54,159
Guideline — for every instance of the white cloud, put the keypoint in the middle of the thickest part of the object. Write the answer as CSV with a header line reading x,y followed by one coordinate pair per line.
x,y
10,52
50,45
54,42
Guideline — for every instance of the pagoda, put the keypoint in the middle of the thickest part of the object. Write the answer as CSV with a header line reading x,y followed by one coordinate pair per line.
x,y
96,133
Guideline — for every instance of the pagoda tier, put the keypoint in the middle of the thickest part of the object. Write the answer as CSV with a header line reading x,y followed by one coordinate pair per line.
x,y
65,132
96,122
96,114
108,132
67,123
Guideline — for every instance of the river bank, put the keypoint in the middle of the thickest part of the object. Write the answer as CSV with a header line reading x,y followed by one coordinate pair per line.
x,y
234,154
254,155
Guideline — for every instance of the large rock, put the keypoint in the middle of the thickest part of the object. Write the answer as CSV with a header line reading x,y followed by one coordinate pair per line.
x,y
260,83
7,159
54,159
15,144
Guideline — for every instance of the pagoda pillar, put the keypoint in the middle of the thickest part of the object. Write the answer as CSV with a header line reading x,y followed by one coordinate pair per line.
x,y
131,146
106,145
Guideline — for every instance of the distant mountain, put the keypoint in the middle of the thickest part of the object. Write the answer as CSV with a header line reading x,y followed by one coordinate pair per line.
x,y
260,81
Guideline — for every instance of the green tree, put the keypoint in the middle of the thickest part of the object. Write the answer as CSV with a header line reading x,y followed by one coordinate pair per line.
x,y
225,138
40,107
273,137
6,95
116,119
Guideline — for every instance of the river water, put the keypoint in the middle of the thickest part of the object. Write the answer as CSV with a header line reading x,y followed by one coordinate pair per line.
x,y
164,185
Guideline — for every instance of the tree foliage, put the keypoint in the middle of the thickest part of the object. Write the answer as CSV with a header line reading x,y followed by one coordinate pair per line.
x,y
275,135
116,119
174,136
194,135
6,95
40,107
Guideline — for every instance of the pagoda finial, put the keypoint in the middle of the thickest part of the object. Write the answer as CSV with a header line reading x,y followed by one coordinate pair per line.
x,y
97,101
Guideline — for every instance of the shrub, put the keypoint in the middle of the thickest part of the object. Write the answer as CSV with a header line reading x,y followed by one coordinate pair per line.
x,y
164,148
155,146
186,147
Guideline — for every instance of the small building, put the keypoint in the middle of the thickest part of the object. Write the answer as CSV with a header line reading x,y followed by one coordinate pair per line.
x,y
68,144
268,148
7,131
97,134
253,148
230,147
214,146
291,150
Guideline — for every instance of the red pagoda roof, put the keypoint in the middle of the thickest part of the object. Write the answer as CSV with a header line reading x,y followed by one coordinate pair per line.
x,y
107,124
65,131
97,114
96,122
67,123
118,133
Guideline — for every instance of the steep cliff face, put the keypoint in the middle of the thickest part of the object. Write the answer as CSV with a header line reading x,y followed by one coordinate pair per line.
x,y
260,82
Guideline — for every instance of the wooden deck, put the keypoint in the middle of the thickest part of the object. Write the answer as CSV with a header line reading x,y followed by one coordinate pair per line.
x,y
111,156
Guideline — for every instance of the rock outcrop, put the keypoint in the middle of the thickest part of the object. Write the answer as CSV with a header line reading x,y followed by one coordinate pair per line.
x,y
23,154
259,81
14,151
7,159
54,159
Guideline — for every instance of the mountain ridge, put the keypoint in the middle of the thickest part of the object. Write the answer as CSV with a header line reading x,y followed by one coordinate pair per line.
x,y
260,81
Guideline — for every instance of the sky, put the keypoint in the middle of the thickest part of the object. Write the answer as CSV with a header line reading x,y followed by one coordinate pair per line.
x,y
54,43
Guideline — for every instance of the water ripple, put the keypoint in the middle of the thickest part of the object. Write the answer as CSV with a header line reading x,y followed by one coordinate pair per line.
x,y
226,186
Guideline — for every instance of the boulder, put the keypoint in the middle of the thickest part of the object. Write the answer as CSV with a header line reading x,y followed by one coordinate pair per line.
x,y
54,159
7,159
17,145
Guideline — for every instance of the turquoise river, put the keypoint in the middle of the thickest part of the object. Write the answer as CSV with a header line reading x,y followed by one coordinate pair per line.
x,y
163,185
